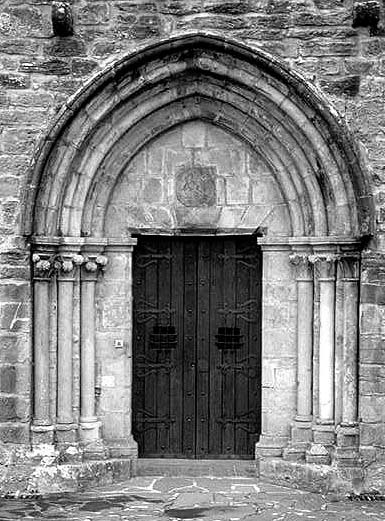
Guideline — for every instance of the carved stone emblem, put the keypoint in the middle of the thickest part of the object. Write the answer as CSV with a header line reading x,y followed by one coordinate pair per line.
x,y
195,185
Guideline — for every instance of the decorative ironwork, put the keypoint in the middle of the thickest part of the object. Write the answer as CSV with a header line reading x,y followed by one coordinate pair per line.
x,y
243,311
144,417
163,337
147,311
247,366
246,422
145,367
229,338
146,259
241,258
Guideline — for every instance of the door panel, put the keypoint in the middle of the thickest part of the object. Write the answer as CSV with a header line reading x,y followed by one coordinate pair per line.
x,y
197,329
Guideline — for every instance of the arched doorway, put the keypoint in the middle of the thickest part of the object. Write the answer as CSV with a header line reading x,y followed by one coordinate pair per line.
x,y
247,148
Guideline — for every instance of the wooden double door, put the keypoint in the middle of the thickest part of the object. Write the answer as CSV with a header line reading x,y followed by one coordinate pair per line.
x,y
197,346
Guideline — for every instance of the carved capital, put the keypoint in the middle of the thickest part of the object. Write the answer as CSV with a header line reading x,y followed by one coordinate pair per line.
x,y
302,265
43,266
93,265
325,264
349,267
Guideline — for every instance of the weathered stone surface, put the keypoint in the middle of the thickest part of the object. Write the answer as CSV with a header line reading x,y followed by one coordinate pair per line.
x,y
40,72
14,81
348,86
57,67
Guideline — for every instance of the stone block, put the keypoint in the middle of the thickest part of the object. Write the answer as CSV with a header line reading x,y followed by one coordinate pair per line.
x,y
373,294
94,13
7,379
14,81
18,46
13,117
13,349
83,67
8,408
23,20
346,86
372,349
54,66
237,190
372,434
372,408
14,292
14,433
235,7
66,47
9,187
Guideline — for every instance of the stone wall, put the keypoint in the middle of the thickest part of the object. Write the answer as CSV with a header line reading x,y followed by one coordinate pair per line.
x,y
337,45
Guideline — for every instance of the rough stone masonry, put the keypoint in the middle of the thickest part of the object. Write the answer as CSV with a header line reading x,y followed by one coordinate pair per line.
x,y
49,51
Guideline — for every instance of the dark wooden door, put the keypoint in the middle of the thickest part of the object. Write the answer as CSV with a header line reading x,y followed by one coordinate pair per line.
x,y
197,346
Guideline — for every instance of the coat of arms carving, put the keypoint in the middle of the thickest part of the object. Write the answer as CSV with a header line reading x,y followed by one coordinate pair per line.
x,y
195,185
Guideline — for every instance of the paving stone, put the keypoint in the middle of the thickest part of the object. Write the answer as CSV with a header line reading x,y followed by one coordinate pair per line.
x,y
242,500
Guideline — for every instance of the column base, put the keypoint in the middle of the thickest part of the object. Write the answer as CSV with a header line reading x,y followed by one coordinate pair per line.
x,y
323,443
122,447
324,433
92,445
42,434
301,437
67,442
346,453
318,454
270,445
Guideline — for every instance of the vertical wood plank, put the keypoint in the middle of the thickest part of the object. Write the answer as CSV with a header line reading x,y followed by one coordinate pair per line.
x,y
177,384
203,347
189,351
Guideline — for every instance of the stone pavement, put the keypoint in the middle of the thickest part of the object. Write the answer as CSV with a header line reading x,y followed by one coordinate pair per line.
x,y
214,499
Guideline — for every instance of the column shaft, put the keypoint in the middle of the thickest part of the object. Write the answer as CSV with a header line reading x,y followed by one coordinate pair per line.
x,y
304,345
349,398
41,352
326,354
87,376
65,320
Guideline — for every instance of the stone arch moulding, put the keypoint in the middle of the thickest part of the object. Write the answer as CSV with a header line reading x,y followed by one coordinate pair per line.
x,y
290,127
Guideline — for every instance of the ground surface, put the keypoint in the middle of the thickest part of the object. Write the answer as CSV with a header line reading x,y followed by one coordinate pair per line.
x,y
221,499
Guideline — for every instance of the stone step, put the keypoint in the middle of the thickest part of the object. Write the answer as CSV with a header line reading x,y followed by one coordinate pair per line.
x,y
196,468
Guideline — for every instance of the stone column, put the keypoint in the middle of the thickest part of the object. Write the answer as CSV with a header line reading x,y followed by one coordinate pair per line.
x,y
42,425
301,433
66,425
324,430
347,430
89,424
120,440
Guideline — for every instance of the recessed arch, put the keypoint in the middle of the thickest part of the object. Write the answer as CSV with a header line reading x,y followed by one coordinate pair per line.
x,y
245,91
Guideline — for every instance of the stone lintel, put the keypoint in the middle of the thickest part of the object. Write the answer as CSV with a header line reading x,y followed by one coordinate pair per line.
x,y
325,243
121,245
